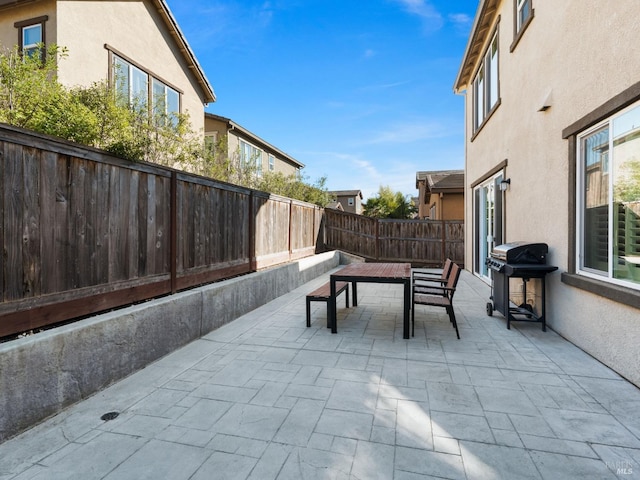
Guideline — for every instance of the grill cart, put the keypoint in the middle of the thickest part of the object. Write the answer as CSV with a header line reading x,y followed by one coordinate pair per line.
x,y
518,260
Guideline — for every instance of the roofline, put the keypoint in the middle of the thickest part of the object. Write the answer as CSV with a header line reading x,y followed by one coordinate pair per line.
x,y
162,7
185,49
425,173
481,22
346,193
248,133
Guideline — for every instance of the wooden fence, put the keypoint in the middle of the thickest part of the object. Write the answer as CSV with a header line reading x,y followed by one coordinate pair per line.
x,y
419,242
82,231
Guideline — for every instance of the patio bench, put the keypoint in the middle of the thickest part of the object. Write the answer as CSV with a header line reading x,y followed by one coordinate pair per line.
x,y
322,294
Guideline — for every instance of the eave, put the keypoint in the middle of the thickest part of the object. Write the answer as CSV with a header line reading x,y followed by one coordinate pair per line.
x,y
485,16
185,49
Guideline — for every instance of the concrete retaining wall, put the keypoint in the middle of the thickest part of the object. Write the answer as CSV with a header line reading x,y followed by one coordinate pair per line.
x,y
42,374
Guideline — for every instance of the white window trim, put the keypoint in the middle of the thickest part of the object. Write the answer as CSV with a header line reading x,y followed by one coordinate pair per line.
x,y
580,204
258,159
484,105
520,25
116,55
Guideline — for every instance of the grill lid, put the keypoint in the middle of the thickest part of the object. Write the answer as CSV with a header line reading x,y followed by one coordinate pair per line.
x,y
521,252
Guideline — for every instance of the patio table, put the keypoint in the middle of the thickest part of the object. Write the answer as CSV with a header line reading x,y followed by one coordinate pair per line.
x,y
372,273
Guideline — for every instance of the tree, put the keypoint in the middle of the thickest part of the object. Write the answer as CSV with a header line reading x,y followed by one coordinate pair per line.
x,y
389,204
294,186
98,116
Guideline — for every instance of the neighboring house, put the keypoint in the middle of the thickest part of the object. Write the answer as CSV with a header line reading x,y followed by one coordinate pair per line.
x,y
248,147
553,108
351,200
335,206
139,39
440,195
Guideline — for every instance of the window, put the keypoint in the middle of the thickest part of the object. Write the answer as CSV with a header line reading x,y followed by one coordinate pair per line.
x,y
488,221
251,156
210,142
136,87
272,163
351,201
485,85
131,83
608,199
523,14
166,101
31,34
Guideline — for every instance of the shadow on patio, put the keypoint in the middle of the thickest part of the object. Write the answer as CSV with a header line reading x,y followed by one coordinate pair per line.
x,y
265,397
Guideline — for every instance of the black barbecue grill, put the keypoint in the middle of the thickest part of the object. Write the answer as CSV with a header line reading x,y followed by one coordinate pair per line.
x,y
518,260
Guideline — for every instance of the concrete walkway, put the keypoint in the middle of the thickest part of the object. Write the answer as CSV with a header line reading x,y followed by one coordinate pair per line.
x,y
264,397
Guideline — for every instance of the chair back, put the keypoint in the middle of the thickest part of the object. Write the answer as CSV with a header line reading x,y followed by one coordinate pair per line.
x,y
452,281
446,269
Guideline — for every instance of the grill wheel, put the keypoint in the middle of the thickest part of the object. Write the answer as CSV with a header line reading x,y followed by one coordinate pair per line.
x,y
490,309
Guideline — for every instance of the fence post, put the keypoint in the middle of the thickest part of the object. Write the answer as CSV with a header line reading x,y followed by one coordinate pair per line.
x,y
173,242
444,241
378,239
290,228
252,233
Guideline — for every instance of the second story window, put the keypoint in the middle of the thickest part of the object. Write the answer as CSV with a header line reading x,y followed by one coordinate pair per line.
x,y
166,101
272,163
143,91
523,14
31,34
251,156
131,83
485,85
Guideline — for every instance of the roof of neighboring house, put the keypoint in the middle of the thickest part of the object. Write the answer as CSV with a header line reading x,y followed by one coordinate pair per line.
x,y
487,10
335,206
207,90
231,125
346,193
444,181
185,49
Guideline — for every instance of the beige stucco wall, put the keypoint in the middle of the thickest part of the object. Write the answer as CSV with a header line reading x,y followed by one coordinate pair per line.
x,y
581,53
448,206
134,28
9,16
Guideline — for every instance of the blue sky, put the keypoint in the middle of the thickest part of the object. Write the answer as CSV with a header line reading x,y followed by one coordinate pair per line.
x,y
360,91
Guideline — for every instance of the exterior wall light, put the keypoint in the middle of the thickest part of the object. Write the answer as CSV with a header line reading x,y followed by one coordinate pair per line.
x,y
504,184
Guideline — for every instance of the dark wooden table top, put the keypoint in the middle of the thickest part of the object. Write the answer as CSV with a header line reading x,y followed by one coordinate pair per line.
x,y
376,270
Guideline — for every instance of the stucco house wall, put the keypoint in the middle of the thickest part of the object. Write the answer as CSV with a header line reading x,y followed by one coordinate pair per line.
x,y
351,200
132,29
223,126
571,59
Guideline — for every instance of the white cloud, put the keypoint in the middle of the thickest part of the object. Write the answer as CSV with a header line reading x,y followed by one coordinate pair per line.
x,y
461,22
369,53
432,20
408,133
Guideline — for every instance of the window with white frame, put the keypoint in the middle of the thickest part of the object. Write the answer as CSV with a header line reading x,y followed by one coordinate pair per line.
x,y
136,87
251,157
485,85
351,201
272,163
31,34
608,199
210,142
166,102
523,13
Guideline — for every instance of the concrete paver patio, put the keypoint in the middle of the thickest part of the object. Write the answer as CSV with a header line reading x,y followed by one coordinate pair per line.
x,y
264,397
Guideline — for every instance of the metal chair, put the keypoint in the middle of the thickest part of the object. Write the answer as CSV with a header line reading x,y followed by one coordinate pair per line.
x,y
438,277
437,296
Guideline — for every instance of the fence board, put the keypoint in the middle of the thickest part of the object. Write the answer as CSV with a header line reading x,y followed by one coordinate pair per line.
x,y
82,231
419,242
